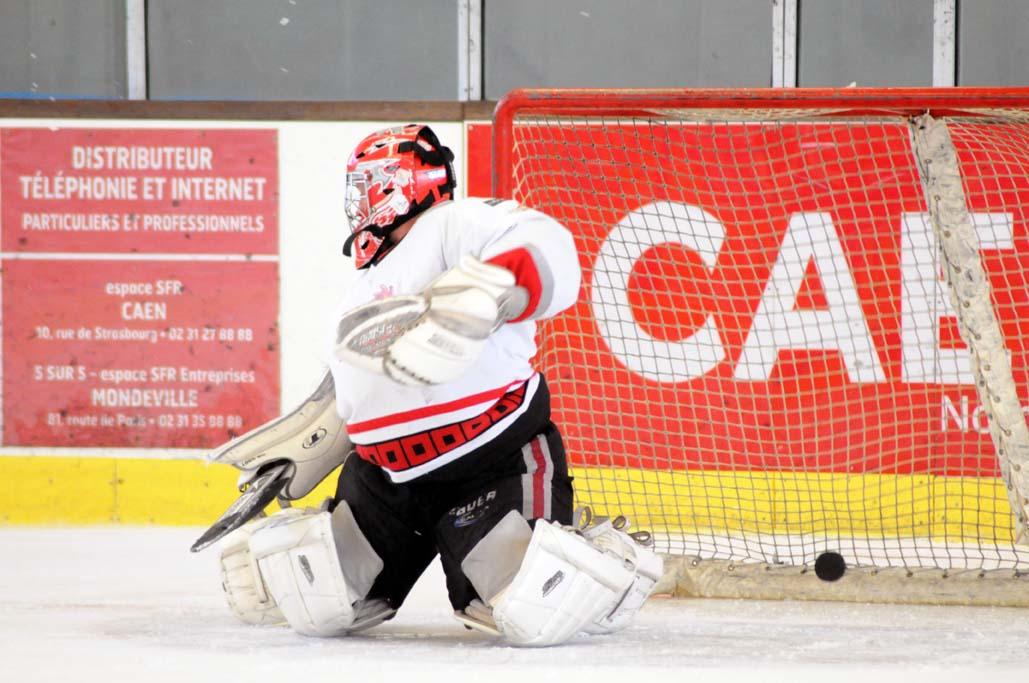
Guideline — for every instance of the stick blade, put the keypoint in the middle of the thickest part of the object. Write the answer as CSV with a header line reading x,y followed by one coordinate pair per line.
x,y
261,491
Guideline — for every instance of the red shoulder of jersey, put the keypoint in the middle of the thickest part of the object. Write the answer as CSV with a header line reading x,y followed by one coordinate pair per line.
x,y
523,265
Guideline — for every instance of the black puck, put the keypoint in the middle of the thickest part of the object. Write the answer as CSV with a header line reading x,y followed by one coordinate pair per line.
x,y
830,566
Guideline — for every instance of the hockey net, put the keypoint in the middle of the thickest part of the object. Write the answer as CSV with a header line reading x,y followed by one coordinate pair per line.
x,y
803,329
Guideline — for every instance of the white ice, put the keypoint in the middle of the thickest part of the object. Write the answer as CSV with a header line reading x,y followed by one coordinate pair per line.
x,y
132,604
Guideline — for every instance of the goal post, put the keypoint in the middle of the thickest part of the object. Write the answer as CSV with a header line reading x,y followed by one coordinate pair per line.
x,y
804,328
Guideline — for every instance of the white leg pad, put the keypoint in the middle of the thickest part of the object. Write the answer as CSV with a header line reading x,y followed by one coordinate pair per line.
x,y
565,584
244,587
649,568
318,568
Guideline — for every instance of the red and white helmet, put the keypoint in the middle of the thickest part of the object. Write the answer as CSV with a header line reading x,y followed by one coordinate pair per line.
x,y
392,176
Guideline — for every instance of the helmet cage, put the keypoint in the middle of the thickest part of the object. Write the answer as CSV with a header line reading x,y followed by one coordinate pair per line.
x,y
355,200
393,176
371,194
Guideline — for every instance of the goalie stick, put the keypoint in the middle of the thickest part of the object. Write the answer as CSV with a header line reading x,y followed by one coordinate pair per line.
x,y
257,494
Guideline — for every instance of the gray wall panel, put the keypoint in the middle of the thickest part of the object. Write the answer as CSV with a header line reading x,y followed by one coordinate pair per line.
x,y
304,50
626,43
992,42
872,42
62,48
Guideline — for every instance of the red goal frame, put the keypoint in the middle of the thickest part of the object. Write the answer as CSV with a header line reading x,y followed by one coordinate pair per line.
x,y
628,102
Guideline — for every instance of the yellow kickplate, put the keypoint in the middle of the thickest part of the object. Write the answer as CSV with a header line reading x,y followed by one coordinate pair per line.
x,y
77,491
967,509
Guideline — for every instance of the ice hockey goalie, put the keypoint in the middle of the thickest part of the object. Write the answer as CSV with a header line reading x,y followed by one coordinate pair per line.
x,y
452,449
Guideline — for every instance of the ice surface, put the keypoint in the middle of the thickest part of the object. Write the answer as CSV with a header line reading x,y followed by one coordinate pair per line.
x,y
132,604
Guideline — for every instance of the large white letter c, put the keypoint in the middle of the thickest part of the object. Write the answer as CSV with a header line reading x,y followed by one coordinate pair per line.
x,y
648,226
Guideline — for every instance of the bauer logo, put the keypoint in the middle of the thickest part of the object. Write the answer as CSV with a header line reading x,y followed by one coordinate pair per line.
x,y
441,342
468,519
552,583
305,567
473,510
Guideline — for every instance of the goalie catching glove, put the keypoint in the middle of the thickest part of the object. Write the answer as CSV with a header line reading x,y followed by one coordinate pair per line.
x,y
437,337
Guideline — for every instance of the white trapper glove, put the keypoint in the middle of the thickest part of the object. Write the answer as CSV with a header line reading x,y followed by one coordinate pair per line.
x,y
465,305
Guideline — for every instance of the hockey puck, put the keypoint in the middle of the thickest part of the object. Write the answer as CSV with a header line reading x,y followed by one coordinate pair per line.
x,y
830,566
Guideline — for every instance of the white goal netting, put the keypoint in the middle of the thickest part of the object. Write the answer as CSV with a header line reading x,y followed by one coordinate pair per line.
x,y
800,329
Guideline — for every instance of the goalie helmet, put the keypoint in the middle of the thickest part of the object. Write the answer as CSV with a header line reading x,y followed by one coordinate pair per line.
x,y
392,176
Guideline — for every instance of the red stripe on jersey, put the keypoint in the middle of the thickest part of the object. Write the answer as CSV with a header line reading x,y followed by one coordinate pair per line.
x,y
520,262
414,450
429,411
538,479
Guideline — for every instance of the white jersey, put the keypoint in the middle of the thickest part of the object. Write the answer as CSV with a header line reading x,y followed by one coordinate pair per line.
x,y
410,431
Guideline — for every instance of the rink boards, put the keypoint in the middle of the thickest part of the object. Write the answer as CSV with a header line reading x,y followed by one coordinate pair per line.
x,y
145,468
102,490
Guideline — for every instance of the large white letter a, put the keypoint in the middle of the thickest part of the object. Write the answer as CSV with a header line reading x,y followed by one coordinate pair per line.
x,y
842,326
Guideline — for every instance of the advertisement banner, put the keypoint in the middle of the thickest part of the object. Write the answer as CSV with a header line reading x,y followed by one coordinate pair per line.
x,y
138,353
140,285
768,297
479,162
139,190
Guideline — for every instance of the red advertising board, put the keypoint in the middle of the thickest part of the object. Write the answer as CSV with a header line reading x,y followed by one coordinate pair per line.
x,y
116,190
478,160
140,285
138,353
757,296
